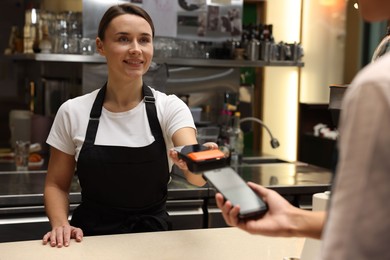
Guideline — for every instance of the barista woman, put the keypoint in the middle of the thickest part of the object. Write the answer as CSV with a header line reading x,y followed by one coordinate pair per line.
x,y
118,139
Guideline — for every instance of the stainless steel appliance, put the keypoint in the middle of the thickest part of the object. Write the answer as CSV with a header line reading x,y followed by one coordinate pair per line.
x,y
197,21
199,86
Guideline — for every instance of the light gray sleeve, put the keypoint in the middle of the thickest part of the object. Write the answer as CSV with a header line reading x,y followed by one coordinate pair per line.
x,y
176,115
60,133
358,225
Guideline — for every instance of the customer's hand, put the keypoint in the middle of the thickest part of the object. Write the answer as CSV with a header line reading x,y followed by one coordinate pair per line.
x,y
61,236
277,221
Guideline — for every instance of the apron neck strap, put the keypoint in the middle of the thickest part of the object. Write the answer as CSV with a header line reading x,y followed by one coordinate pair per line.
x,y
96,112
151,111
94,116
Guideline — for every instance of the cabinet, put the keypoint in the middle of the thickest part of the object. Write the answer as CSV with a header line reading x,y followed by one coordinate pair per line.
x,y
314,149
22,215
46,70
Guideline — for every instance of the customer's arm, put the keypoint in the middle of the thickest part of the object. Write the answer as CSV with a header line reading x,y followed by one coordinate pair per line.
x,y
59,177
281,219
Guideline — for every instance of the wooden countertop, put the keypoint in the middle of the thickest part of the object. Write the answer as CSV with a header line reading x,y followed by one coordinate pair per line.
x,y
218,243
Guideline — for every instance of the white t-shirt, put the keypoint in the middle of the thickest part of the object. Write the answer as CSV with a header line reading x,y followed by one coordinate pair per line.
x,y
358,225
130,128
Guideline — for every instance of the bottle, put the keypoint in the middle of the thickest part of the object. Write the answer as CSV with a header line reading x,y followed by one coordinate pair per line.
x,y
223,122
236,141
253,49
45,44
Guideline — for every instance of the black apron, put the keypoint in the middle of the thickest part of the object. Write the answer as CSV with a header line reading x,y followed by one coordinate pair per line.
x,y
123,189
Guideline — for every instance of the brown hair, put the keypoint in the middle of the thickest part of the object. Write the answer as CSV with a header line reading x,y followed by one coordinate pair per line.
x,y
117,10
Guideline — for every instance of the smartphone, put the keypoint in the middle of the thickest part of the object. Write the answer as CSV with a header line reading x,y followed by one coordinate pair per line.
x,y
201,158
237,191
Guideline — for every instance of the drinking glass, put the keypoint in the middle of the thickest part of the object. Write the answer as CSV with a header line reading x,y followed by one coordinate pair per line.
x,y
22,152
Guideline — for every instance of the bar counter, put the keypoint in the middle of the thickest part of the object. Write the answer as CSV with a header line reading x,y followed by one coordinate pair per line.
x,y
20,189
215,243
22,214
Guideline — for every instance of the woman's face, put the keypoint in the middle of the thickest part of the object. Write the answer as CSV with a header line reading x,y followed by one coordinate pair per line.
x,y
127,46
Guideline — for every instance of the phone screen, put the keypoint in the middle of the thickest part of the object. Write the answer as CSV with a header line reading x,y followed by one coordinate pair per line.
x,y
237,191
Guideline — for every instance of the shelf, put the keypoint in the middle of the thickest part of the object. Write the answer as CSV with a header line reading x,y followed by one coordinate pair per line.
x,y
254,1
57,57
170,61
227,63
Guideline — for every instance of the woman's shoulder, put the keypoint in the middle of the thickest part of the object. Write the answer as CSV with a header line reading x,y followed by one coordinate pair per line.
x,y
169,105
162,97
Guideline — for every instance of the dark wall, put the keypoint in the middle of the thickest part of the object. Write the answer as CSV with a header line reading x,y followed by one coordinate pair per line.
x,y
12,87
11,14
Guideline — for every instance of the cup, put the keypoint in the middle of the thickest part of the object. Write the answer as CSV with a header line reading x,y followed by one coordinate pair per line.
x,y
208,134
20,126
196,113
22,152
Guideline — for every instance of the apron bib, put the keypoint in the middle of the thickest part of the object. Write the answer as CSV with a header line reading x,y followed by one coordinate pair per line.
x,y
123,189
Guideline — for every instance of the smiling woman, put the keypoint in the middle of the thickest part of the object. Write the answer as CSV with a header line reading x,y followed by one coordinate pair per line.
x,y
128,47
120,139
